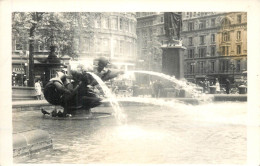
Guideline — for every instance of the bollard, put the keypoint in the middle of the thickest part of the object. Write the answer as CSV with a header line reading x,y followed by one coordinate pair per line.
x,y
212,89
242,89
30,142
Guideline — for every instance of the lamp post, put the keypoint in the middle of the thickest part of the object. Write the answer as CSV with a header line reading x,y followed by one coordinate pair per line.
x,y
21,56
232,67
192,70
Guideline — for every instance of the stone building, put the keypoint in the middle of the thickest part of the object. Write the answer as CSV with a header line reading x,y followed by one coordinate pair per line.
x,y
114,38
216,45
150,36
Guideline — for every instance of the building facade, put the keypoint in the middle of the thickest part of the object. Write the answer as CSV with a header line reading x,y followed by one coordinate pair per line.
x,y
114,38
216,45
150,37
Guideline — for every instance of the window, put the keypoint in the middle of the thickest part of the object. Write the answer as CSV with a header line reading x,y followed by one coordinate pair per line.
x,y
190,14
190,26
116,46
212,38
190,41
238,35
121,47
225,36
213,22
191,53
18,45
212,51
161,30
162,19
187,14
201,67
120,24
105,45
238,49
114,23
86,45
98,22
202,52
238,66
145,43
225,50
190,67
224,66
239,19
202,39
127,26
105,22
202,24
97,44
225,22
212,67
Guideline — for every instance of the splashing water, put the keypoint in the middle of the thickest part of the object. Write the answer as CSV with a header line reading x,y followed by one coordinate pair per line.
x,y
118,112
189,87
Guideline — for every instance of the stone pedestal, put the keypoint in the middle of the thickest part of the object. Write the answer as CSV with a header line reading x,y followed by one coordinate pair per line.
x,y
212,89
173,61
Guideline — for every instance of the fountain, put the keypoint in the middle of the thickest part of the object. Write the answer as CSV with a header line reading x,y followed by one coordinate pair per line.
x,y
159,132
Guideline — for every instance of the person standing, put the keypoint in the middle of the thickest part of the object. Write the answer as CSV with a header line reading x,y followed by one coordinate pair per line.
x,y
217,86
38,89
227,86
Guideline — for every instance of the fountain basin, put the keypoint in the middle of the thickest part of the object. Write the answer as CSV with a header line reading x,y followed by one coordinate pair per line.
x,y
30,142
230,97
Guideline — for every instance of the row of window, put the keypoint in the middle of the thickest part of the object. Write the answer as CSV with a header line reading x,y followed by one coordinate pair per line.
x,y
225,38
202,51
197,14
224,66
115,23
203,23
202,39
143,14
105,45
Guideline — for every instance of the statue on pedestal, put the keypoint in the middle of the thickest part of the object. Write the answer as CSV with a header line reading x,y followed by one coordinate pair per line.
x,y
172,27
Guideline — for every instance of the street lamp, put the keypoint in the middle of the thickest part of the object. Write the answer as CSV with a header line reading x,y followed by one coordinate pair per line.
x,y
192,70
232,67
21,56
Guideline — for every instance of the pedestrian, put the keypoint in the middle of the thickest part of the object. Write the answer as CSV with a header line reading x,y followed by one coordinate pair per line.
x,y
227,86
217,86
207,84
160,89
38,89
26,82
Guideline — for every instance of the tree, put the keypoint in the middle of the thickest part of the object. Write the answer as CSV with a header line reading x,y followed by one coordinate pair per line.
x,y
62,30
25,25
154,52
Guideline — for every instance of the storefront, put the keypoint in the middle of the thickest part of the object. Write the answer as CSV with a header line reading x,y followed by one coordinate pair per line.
x,y
19,75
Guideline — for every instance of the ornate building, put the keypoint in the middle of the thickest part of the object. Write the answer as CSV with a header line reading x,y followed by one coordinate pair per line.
x,y
150,36
216,45
114,38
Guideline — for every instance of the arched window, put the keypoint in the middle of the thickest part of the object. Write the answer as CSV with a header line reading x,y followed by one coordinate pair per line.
x,y
226,22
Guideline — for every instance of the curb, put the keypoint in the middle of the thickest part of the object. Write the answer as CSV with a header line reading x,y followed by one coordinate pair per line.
x,y
30,142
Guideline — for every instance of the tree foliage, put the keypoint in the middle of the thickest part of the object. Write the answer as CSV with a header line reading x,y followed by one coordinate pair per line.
x,y
60,29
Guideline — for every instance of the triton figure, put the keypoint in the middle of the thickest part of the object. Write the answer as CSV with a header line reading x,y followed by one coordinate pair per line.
x,y
77,94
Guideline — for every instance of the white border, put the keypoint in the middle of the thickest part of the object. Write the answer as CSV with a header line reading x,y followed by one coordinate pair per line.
x,y
250,6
